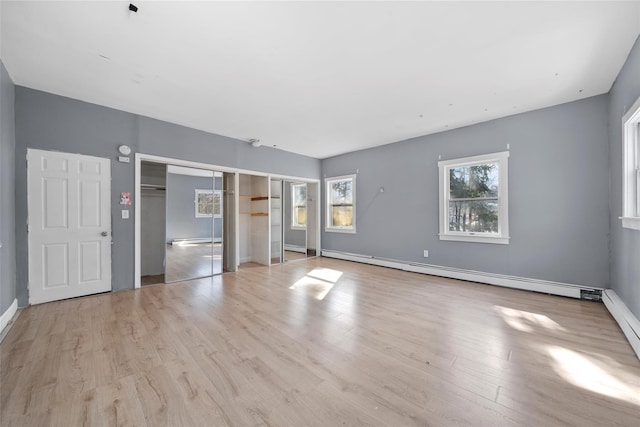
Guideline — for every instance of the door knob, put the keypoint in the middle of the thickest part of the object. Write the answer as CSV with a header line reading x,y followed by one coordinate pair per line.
x,y
104,234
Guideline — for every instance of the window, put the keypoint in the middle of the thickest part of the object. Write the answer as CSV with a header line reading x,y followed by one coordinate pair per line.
x,y
208,203
298,206
631,168
341,204
473,199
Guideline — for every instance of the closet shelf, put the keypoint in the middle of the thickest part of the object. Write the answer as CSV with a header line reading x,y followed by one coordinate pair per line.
x,y
256,198
259,214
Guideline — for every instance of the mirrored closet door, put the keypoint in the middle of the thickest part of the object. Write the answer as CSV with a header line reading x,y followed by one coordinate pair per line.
x,y
194,224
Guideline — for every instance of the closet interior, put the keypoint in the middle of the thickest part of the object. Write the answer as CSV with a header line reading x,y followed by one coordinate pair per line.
x,y
199,223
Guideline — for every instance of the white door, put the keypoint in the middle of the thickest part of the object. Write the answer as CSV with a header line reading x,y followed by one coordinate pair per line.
x,y
69,225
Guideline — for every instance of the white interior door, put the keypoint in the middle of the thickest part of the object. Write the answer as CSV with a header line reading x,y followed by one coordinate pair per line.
x,y
69,225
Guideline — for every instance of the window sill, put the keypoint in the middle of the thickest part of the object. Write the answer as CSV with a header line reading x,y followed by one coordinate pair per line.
x,y
475,239
340,230
630,222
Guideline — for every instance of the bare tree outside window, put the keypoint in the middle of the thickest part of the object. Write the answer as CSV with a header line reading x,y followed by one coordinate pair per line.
x,y
473,198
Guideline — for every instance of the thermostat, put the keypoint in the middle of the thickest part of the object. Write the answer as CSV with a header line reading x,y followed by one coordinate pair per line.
x,y
124,150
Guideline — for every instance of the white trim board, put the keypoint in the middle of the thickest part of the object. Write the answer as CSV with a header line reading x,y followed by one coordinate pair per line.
x,y
629,323
8,315
295,248
543,286
140,157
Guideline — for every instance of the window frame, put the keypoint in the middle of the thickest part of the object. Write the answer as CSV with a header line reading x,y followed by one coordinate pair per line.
x,y
199,191
327,186
631,168
294,225
502,237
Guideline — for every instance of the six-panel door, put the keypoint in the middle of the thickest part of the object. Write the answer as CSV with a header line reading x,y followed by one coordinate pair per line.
x,y
69,225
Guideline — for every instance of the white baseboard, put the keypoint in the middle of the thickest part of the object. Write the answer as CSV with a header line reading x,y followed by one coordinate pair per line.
x,y
8,315
294,248
246,259
196,240
629,323
543,286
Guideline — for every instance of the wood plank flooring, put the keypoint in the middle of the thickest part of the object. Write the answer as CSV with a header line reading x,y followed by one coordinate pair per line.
x,y
185,262
319,342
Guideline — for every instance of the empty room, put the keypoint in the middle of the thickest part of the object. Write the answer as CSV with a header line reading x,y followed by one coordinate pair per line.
x,y
313,213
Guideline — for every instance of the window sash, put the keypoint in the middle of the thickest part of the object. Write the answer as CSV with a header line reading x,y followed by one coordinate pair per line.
x,y
631,168
201,204
341,209
499,201
298,206
471,199
467,199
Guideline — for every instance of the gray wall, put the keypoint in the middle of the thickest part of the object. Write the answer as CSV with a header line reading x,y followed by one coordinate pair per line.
x,y
7,191
625,243
178,142
181,220
558,208
50,122
291,237
153,210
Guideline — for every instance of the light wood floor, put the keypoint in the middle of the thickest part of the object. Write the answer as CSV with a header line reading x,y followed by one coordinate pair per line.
x,y
155,279
292,255
185,262
319,343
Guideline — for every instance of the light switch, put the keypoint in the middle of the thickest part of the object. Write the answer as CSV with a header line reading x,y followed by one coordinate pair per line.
x,y
125,214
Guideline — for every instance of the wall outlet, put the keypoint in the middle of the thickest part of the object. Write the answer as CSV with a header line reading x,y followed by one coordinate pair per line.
x,y
426,253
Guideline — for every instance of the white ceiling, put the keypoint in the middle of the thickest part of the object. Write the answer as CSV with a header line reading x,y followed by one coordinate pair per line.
x,y
320,78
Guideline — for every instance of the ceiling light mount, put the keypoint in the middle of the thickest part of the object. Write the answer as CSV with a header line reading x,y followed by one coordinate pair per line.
x,y
255,142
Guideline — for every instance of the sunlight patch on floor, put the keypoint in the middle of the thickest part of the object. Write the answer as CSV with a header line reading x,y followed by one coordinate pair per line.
x,y
525,321
585,372
318,282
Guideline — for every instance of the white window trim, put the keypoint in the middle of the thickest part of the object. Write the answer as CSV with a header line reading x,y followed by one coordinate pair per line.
x,y
631,168
295,226
502,237
206,191
327,183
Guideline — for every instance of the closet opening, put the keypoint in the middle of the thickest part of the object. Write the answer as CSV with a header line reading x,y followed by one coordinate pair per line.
x,y
182,227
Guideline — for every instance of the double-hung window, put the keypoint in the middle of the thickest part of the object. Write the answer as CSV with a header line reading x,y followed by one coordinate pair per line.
x,y
207,203
473,199
631,168
341,204
299,206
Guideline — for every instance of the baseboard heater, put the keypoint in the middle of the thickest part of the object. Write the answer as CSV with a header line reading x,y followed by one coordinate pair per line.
x,y
196,240
295,248
543,286
629,323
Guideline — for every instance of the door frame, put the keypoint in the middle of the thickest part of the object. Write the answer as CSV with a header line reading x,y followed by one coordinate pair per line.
x,y
140,157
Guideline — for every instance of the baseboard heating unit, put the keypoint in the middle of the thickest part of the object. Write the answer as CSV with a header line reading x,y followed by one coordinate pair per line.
x,y
543,286
195,241
629,323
